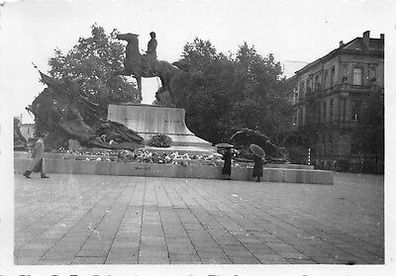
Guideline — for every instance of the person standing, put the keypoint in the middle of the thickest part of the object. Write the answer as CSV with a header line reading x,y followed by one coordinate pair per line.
x,y
258,167
227,164
37,155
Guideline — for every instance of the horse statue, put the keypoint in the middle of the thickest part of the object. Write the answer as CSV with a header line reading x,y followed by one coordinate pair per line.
x,y
143,66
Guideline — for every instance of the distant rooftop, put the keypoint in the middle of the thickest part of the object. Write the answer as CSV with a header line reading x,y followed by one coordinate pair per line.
x,y
364,44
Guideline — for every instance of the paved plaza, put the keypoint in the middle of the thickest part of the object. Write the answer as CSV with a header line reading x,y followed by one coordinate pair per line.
x,y
92,219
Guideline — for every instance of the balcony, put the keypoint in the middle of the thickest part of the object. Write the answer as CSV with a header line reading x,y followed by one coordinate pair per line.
x,y
344,89
353,88
331,124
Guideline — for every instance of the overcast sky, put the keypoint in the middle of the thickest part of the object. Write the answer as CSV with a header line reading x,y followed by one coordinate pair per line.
x,y
294,31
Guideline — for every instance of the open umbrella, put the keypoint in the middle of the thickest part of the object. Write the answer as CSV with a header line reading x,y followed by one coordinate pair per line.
x,y
257,150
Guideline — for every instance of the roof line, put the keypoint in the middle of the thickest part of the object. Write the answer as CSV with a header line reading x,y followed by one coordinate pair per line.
x,y
332,52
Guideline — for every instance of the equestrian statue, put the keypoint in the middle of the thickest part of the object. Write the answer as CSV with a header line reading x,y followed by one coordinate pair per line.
x,y
147,65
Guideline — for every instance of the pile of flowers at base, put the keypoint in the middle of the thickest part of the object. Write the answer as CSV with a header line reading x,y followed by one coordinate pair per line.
x,y
145,156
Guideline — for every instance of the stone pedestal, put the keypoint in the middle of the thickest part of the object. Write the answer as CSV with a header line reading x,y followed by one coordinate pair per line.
x,y
149,120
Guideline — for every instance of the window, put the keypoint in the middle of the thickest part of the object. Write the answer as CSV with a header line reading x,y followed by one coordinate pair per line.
x,y
326,77
344,102
331,109
299,115
357,76
324,111
355,111
309,81
332,76
372,74
317,82
295,119
344,73
302,88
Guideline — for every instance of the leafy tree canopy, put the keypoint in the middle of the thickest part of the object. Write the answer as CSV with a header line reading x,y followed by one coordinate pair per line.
x,y
91,62
369,135
224,93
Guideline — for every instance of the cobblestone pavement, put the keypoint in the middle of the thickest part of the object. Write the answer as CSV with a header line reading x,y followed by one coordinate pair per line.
x,y
92,219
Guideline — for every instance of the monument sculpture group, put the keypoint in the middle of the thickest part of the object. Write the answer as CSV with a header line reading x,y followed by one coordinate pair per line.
x,y
63,108
147,65
73,119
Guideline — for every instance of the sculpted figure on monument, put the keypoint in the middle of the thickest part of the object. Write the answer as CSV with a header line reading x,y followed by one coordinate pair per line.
x,y
152,46
147,65
151,55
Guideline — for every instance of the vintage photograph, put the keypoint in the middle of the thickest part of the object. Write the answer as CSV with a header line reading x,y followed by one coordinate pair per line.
x,y
196,132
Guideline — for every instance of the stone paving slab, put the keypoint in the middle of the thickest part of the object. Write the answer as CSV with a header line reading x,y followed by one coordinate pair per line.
x,y
91,219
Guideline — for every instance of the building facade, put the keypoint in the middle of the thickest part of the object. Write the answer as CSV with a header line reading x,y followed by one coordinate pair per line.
x,y
328,96
27,131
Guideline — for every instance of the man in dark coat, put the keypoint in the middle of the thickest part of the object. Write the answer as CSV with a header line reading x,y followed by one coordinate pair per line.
x,y
258,167
227,164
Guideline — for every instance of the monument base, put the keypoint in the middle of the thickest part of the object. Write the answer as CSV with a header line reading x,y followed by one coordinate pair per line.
x,y
149,120
72,164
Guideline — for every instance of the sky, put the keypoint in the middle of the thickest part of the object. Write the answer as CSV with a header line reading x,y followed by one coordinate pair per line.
x,y
296,32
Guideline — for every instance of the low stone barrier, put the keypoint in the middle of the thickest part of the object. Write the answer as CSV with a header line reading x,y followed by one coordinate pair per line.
x,y
54,163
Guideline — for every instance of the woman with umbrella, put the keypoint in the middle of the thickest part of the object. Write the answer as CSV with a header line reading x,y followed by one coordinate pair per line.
x,y
258,156
226,151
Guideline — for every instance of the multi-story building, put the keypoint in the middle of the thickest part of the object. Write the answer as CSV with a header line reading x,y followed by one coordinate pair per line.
x,y
27,131
328,96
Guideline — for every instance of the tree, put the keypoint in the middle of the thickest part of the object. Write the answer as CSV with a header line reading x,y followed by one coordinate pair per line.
x,y
370,131
222,93
203,89
259,92
91,62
